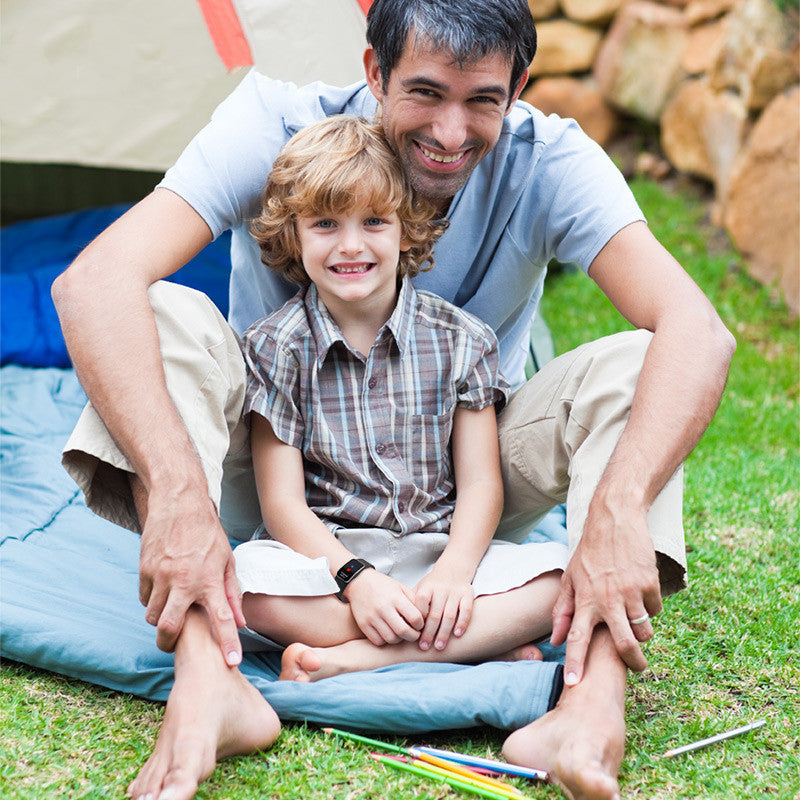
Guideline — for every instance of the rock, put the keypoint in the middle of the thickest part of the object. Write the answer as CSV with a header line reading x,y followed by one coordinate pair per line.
x,y
564,47
762,213
593,12
702,132
639,63
705,42
542,9
755,58
575,98
699,11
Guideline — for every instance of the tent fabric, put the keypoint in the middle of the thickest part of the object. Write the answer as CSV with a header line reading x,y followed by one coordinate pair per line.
x,y
68,579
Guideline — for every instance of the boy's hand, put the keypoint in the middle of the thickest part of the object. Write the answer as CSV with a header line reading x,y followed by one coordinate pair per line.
x,y
383,608
446,600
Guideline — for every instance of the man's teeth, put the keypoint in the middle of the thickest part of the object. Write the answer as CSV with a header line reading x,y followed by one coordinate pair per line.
x,y
442,159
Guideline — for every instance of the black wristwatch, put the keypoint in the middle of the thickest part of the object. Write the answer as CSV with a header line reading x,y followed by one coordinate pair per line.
x,y
346,573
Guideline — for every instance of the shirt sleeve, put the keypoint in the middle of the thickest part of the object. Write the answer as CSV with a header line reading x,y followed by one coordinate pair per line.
x,y
482,384
273,385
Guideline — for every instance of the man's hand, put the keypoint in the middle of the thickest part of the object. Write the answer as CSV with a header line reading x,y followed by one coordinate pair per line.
x,y
611,579
186,559
383,608
446,601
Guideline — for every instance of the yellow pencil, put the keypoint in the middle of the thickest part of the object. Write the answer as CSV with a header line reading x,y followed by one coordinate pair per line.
x,y
465,771
471,780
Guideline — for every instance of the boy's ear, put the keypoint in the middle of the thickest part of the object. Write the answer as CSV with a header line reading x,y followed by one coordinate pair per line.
x,y
373,74
405,245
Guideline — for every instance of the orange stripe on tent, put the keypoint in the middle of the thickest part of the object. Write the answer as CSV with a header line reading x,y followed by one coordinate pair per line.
x,y
365,4
226,32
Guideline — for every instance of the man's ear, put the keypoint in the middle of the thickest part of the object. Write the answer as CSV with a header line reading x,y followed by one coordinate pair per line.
x,y
523,81
373,74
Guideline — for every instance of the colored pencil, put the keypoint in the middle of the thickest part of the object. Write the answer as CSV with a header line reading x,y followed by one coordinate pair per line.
x,y
465,771
475,761
712,739
460,772
427,772
392,748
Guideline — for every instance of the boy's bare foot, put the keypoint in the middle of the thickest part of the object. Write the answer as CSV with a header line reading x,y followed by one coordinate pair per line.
x,y
525,652
300,663
581,742
212,712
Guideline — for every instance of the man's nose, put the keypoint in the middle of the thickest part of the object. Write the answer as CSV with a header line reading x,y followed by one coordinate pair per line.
x,y
450,128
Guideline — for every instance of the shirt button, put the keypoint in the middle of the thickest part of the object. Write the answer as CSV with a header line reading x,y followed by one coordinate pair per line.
x,y
401,507
372,382
381,448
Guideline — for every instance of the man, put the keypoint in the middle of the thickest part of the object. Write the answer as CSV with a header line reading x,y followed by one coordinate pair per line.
x,y
606,426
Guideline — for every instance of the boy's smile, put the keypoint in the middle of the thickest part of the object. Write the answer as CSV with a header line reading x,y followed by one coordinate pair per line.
x,y
352,258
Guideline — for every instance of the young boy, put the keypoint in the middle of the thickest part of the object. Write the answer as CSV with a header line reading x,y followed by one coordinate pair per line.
x,y
374,434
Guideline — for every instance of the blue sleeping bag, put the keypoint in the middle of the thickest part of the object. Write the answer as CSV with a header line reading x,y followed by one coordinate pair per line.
x,y
69,580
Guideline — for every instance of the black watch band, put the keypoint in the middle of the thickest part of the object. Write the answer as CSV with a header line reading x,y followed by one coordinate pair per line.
x,y
347,572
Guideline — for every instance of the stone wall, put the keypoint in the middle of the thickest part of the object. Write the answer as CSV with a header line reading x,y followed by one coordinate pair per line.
x,y
720,79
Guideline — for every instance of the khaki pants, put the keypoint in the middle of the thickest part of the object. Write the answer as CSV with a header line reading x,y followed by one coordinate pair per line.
x,y
556,434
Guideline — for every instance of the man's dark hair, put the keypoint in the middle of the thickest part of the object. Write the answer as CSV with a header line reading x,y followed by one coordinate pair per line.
x,y
468,29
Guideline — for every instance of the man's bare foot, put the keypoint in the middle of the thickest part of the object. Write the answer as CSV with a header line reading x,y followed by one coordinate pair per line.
x,y
300,663
212,712
581,742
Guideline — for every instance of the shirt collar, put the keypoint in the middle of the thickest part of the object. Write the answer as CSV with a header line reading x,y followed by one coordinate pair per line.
x,y
326,332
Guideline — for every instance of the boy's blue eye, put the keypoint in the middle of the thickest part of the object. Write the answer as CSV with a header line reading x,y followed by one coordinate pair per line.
x,y
374,221
325,223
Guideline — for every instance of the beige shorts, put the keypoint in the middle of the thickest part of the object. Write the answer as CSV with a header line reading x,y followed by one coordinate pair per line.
x,y
556,434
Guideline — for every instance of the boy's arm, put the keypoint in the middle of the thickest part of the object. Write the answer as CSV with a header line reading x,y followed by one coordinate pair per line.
x,y
382,607
445,594
111,335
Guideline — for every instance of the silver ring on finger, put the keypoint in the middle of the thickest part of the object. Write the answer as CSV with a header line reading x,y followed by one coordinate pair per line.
x,y
640,620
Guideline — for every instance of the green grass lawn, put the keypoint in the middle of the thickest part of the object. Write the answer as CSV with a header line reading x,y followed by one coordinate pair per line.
x,y
725,651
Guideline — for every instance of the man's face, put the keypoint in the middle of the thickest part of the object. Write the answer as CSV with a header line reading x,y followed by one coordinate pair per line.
x,y
440,118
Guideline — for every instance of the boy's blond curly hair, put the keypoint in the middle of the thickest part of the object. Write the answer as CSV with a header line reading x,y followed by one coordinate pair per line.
x,y
330,168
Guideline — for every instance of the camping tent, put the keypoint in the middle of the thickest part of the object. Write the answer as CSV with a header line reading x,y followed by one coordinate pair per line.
x,y
127,84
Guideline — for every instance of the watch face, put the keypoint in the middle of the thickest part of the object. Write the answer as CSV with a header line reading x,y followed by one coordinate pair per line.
x,y
349,569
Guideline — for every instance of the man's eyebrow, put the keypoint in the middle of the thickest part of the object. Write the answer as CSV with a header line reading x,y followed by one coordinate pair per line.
x,y
421,80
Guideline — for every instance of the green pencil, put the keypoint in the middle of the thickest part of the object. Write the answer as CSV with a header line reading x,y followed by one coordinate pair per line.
x,y
453,782
392,748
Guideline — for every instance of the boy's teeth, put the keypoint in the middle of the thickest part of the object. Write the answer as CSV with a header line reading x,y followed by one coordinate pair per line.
x,y
441,159
360,268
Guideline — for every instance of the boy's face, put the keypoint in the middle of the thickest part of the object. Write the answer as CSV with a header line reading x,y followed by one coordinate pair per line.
x,y
352,256
441,118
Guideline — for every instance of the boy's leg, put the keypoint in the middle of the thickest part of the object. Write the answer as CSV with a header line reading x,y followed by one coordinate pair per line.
x,y
206,378
212,712
500,624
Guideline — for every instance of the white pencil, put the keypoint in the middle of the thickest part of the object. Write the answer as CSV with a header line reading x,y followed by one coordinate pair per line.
x,y
718,738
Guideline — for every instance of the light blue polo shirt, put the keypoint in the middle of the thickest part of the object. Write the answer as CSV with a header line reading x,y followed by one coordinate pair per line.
x,y
546,191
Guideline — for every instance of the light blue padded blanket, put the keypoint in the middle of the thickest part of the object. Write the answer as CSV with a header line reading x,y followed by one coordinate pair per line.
x,y
69,596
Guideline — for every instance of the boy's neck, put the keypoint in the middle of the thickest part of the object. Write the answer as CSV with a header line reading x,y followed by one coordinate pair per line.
x,y
360,322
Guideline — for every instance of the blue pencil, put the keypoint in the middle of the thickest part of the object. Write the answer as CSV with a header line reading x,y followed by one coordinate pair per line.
x,y
475,761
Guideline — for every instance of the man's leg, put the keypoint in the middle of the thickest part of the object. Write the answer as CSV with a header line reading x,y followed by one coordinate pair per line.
x,y
212,712
205,375
581,742
556,437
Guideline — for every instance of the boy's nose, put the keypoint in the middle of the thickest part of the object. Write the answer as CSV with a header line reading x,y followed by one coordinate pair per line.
x,y
351,240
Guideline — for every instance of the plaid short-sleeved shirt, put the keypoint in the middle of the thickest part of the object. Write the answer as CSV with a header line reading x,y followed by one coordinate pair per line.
x,y
374,431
